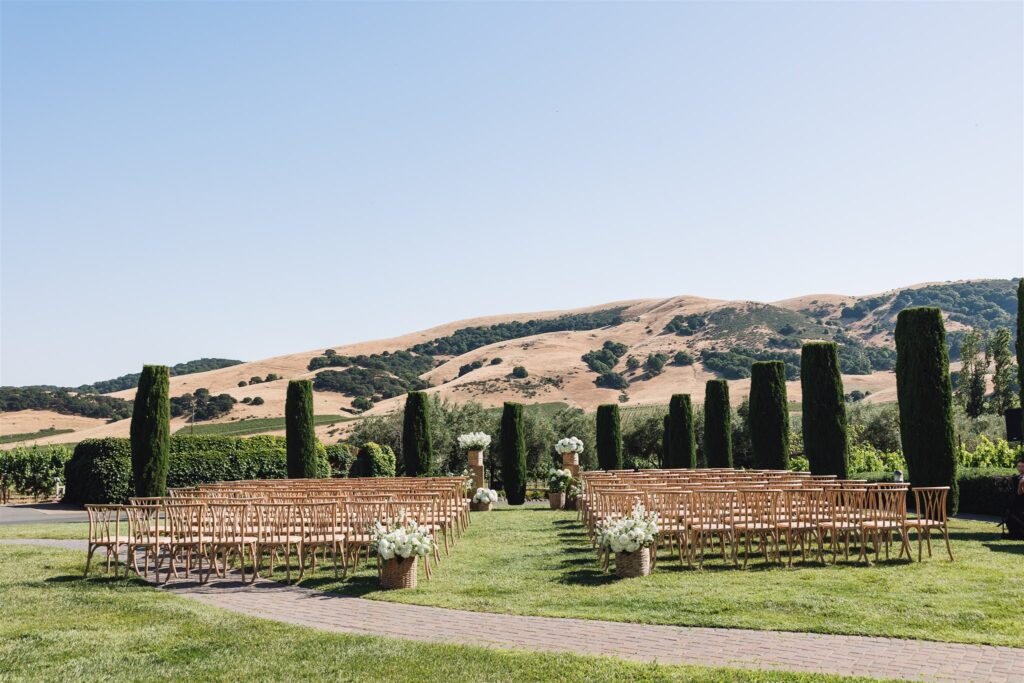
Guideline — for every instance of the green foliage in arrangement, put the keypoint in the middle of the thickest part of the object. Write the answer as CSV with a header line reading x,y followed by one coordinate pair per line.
x,y
467,339
417,449
681,441
32,470
609,437
717,444
300,430
373,460
512,441
151,431
769,415
824,409
925,399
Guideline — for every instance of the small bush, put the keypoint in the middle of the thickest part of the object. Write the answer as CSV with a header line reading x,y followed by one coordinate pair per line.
x,y
31,470
255,380
257,401
373,460
243,383
362,403
495,361
340,458
682,358
519,372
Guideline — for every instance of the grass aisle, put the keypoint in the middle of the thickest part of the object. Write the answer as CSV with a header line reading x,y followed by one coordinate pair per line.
x,y
539,562
58,626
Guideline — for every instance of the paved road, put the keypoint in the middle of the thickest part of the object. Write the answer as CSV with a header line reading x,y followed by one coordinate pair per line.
x,y
36,513
772,650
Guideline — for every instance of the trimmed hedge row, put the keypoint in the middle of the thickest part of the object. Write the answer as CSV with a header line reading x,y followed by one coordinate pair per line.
x,y
100,470
983,490
373,460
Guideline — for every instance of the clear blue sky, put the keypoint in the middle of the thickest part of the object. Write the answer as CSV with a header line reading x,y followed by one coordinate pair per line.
x,y
249,179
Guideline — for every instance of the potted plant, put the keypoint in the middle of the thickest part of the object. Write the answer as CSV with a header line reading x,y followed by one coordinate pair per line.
x,y
557,483
631,539
399,547
475,443
483,499
573,492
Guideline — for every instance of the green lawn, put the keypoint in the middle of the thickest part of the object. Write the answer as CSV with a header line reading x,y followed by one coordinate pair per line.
x,y
28,436
58,626
256,425
539,562
57,530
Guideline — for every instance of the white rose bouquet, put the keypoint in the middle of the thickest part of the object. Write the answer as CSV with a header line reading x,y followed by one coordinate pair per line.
x,y
474,441
575,489
569,445
485,496
405,540
629,534
559,480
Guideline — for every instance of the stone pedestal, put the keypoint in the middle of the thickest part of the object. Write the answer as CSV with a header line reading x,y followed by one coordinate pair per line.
x,y
571,462
476,469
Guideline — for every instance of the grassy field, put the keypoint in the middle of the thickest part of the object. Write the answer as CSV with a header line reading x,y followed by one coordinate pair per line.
x,y
55,530
58,626
12,438
256,425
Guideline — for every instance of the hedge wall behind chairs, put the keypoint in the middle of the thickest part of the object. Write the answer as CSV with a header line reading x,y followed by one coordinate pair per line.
x,y
100,469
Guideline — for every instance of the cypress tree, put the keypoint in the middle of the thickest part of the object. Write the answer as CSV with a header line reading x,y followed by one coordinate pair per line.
x,y
417,448
1020,344
681,438
926,399
769,415
666,446
717,424
609,437
513,453
824,409
300,432
151,431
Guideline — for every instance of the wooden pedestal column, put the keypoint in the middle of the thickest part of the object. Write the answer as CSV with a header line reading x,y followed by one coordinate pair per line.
x,y
571,462
476,469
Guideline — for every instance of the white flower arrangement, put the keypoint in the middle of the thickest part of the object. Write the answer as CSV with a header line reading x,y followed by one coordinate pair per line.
x,y
403,540
569,445
629,534
559,480
485,496
575,489
474,441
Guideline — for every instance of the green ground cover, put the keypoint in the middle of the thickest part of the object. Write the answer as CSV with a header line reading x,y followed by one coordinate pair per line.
x,y
58,626
29,436
257,425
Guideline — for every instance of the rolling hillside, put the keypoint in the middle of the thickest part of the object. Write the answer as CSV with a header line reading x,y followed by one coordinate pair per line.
x,y
638,352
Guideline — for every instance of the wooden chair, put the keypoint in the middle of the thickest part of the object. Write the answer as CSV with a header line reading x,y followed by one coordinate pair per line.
x,y
712,516
319,532
800,516
227,532
757,516
844,516
144,533
930,502
184,535
886,515
104,532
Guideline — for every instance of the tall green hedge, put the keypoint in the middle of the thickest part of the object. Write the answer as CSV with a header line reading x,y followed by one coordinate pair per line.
x,y
151,431
300,430
100,470
717,424
513,453
824,409
417,449
925,399
769,415
1020,343
609,437
373,460
666,441
682,441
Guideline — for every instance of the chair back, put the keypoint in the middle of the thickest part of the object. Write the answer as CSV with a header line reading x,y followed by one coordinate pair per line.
x,y
104,523
930,502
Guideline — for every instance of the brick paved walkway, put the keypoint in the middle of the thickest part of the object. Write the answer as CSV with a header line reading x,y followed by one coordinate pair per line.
x,y
773,650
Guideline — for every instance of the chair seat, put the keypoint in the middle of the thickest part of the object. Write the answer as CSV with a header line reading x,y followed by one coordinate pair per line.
x,y
932,523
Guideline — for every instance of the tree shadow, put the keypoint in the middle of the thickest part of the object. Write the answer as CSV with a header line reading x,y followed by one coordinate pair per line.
x,y
1006,547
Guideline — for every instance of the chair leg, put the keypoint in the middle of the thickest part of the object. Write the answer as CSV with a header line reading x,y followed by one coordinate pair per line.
x,y
945,534
88,559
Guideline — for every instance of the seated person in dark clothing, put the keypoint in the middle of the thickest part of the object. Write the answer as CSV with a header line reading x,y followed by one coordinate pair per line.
x,y
1015,508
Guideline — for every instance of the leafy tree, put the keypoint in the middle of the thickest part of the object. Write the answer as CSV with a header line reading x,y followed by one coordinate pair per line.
x,y
513,453
681,440
769,415
612,380
632,363
416,444
682,358
717,424
519,372
300,431
243,383
970,392
824,410
1020,341
925,399
496,361
686,325
609,437
257,401
272,377
655,363
151,431
470,367
1003,397
362,403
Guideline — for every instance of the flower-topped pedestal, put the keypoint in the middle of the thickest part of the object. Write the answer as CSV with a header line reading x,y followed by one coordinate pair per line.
x,y
475,443
570,449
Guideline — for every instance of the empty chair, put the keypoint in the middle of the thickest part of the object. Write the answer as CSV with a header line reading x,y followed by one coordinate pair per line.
x,y
930,502
104,532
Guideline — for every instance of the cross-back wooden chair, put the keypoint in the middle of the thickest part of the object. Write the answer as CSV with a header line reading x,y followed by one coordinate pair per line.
x,y
184,535
228,533
886,515
144,534
711,517
756,515
278,528
930,503
104,532
844,516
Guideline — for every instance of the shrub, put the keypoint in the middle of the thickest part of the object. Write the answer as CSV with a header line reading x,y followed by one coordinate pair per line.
x,y
925,399
470,367
769,415
519,372
717,424
824,409
495,361
31,470
682,358
417,450
243,383
373,460
300,430
255,380
686,325
988,453
340,458
151,431
513,453
983,491
362,403
609,437
655,363
867,458
680,441
99,471
257,401
272,377
632,363
612,380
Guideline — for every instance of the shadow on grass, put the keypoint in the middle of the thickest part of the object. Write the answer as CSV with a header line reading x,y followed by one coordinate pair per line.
x,y
1006,547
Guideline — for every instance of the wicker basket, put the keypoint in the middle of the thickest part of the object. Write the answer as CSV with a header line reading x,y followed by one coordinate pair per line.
x,y
570,503
629,565
479,507
556,500
399,573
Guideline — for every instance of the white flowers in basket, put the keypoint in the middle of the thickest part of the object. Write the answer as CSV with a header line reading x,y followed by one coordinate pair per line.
x,y
474,441
402,540
559,480
485,496
629,534
569,445
575,489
